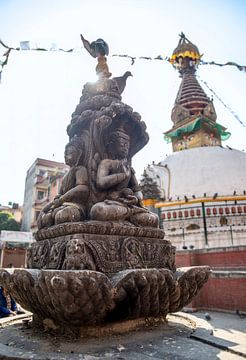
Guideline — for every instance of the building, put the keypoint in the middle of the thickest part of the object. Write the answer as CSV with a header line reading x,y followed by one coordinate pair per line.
x,y
43,181
13,248
203,188
14,209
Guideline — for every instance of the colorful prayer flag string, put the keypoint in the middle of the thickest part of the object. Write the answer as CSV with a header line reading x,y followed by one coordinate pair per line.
x,y
168,59
230,63
24,46
222,102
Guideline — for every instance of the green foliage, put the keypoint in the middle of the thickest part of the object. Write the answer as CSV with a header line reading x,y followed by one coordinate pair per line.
x,y
7,222
149,187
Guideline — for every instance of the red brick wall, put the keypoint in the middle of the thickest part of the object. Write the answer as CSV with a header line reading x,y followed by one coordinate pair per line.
x,y
226,288
232,257
16,257
222,294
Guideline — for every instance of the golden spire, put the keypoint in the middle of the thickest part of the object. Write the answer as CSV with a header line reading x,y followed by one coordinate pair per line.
x,y
186,56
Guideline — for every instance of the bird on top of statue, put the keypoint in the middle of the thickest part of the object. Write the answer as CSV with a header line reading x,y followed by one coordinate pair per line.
x,y
121,81
98,49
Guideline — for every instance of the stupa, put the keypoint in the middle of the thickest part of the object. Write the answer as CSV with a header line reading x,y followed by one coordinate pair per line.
x,y
202,183
100,256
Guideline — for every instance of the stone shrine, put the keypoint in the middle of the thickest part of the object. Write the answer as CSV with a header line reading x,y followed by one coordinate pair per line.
x,y
100,255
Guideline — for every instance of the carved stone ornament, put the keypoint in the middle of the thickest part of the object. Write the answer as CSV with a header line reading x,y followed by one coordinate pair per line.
x,y
100,256
84,297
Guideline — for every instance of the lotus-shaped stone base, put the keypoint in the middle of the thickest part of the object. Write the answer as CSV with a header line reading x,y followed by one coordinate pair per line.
x,y
84,297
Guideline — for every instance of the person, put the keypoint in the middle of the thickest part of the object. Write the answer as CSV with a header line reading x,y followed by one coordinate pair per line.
x,y
69,204
8,306
116,177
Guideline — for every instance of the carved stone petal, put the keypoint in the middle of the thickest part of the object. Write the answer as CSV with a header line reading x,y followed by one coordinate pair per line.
x,y
84,297
190,281
74,297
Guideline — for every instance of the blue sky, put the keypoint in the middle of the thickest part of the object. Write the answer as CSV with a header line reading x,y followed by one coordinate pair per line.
x,y
40,90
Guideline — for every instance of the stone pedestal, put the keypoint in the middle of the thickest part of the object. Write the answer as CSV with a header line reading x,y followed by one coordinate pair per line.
x,y
102,246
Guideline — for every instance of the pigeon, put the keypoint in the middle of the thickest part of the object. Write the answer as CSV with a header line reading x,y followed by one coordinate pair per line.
x,y
207,316
121,81
96,48
241,315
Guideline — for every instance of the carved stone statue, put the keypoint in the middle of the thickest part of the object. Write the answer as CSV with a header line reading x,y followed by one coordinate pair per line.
x,y
69,204
116,176
100,255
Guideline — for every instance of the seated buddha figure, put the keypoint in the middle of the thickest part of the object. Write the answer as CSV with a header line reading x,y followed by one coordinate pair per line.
x,y
116,178
69,204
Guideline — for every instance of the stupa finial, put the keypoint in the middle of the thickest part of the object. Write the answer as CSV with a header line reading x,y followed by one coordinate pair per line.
x,y
186,56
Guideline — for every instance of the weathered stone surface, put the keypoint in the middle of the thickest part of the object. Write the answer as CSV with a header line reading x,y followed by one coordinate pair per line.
x,y
106,253
100,228
83,297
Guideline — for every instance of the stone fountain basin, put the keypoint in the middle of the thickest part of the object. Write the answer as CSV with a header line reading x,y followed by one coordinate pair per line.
x,y
84,297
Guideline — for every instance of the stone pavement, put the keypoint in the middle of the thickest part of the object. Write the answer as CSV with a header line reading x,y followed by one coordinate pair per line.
x,y
185,336
227,328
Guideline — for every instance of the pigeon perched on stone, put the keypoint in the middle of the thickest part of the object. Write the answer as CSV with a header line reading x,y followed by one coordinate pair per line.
x,y
121,81
96,48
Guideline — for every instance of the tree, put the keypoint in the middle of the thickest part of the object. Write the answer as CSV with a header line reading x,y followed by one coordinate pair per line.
x,y
149,187
7,222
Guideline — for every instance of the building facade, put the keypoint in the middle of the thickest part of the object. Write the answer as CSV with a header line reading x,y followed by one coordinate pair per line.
x,y
13,248
13,209
42,184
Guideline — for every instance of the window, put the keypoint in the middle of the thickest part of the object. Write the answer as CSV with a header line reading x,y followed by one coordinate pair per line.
x,y
40,195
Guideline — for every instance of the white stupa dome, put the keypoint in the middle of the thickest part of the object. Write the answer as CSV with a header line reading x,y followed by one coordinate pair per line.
x,y
196,171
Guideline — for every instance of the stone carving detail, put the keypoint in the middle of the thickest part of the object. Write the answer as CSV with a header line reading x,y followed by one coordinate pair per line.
x,y
78,256
100,255
88,297
39,254
132,254
98,227
108,254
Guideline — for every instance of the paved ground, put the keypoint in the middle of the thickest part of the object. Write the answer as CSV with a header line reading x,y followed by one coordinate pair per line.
x,y
185,336
227,327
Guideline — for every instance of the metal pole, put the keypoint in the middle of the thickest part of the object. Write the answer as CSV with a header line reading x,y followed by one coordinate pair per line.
x,y
231,234
183,235
204,223
2,254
